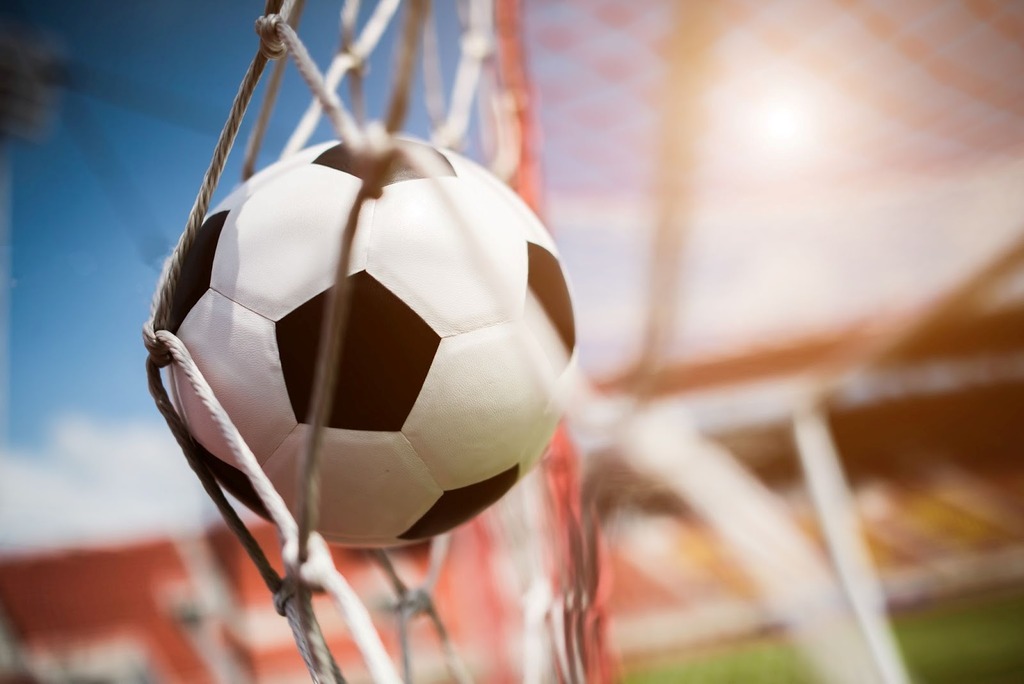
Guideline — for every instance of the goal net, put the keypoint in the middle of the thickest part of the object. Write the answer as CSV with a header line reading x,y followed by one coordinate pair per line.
x,y
486,94
617,72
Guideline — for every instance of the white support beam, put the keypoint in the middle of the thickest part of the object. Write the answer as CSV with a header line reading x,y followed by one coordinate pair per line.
x,y
837,514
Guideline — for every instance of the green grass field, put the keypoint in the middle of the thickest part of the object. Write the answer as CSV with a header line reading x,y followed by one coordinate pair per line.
x,y
968,643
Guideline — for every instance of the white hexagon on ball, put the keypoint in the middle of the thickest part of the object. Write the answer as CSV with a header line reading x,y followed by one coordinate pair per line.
x,y
457,263
480,406
237,353
373,486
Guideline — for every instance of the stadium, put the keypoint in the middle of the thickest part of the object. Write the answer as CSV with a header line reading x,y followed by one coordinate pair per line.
x,y
788,385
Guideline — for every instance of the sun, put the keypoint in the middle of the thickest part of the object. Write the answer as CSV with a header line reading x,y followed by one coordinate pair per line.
x,y
783,123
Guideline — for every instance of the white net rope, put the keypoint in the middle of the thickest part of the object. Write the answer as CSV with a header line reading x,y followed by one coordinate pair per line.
x,y
765,539
307,560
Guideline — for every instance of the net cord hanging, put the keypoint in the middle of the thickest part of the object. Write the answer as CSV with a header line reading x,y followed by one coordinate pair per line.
x,y
382,143
307,560
317,571
412,602
259,130
351,58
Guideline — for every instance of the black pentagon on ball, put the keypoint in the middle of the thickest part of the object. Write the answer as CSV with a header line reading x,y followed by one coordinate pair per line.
x,y
456,506
194,278
547,283
386,354
340,157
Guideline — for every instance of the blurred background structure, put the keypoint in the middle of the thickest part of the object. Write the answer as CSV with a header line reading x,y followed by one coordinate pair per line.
x,y
851,238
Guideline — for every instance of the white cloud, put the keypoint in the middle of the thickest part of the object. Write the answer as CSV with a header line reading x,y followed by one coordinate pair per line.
x,y
96,482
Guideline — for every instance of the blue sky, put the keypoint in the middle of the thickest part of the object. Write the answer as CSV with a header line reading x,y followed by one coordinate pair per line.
x,y
101,198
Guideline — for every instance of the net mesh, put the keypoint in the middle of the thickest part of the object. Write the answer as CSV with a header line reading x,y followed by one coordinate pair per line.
x,y
607,66
308,563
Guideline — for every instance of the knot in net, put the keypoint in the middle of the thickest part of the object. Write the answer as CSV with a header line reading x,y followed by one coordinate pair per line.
x,y
284,594
355,58
476,45
416,602
313,569
156,347
271,44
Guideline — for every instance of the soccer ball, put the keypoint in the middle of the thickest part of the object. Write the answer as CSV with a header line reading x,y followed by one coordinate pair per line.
x,y
458,345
